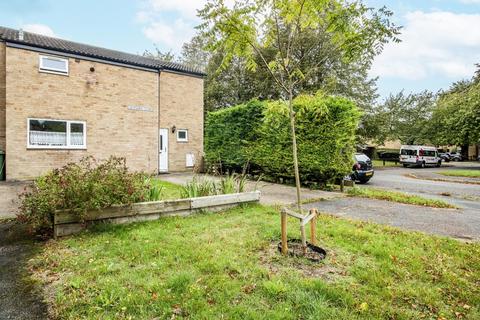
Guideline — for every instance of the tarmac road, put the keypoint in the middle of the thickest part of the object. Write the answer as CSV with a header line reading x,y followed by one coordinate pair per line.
x,y
463,223
398,179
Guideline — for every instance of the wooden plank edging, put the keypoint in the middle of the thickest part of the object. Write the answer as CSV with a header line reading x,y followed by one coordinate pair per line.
x,y
66,223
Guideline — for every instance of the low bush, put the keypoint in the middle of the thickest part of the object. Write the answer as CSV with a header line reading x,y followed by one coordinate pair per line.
x,y
231,183
198,188
155,191
79,187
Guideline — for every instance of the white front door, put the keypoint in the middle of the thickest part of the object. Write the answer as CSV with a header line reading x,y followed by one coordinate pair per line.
x,y
163,151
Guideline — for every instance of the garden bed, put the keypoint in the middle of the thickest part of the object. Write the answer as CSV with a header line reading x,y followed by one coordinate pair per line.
x,y
67,223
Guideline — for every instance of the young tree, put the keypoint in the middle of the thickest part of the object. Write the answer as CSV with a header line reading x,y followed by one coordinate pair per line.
x,y
272,31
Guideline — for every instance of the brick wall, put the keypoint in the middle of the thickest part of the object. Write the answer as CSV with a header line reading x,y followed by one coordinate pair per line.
x,y
100,98
181,105
2,96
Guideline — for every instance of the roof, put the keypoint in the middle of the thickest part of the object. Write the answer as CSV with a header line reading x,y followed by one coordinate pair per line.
x,y
64,46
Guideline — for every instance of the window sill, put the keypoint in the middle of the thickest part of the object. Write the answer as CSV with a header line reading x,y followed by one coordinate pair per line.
x,y
59,73
55,148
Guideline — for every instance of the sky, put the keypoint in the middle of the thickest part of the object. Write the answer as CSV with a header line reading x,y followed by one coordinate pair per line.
x,y
440,38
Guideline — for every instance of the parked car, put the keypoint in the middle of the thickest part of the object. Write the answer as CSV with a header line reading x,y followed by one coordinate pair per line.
x,y
419,156
362,170
445,156
456,157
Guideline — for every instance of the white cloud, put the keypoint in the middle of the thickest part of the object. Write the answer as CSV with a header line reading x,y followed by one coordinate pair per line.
x,y
470,1
435,44
39,28
169,23
186,8
171,35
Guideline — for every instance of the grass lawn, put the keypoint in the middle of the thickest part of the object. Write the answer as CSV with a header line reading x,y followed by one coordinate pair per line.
x,y
396,196
225,266
461,173
379,163
169,190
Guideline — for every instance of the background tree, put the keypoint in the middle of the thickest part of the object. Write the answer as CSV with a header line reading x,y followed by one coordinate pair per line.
x,y
273,32
456,119
403,117
160,55
194,55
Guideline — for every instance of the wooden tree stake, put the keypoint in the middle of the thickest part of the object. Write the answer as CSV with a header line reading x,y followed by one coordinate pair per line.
x,y
313,228
284,233
304,239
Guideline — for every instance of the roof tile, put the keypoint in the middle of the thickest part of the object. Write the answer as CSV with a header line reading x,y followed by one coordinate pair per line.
x,y
65,46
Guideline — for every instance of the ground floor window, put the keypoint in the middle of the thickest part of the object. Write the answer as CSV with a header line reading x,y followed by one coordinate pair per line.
x,y
56,134
182,135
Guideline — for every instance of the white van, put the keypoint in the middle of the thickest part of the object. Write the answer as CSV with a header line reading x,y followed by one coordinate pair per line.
x,y
421,156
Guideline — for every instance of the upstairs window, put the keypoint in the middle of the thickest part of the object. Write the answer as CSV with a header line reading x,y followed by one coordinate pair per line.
x,y
56,134
54,65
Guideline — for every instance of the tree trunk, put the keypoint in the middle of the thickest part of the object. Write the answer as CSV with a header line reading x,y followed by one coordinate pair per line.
x,y
294,147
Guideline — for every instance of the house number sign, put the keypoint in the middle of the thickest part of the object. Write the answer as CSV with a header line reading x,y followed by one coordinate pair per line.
x,y
140,108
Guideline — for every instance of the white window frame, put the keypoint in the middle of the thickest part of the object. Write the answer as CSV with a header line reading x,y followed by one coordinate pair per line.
x,y
45,69
182,139
68,144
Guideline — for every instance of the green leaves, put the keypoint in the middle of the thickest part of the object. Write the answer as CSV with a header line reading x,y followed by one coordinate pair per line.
x,y
258,134
79,187
271,33
456,119
403,117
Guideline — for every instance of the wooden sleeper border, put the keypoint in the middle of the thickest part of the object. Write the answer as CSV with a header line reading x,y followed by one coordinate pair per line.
x,y
66,223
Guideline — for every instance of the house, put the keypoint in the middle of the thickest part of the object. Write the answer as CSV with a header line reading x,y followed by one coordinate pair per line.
x,y
61,101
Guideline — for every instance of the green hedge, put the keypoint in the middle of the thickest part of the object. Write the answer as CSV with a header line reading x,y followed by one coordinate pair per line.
x,y
229,132
259,134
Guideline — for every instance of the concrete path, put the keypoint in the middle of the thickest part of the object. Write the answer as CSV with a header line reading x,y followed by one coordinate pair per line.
x,y
272,193
9,192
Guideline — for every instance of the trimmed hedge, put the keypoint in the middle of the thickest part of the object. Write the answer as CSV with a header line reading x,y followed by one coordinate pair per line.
x,y
258,133
229,133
